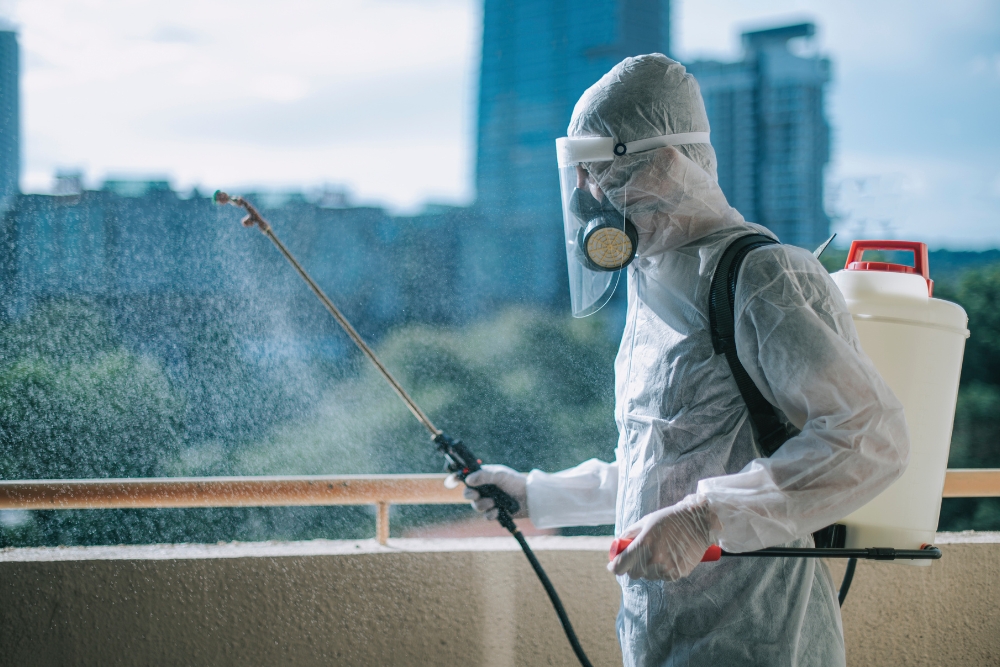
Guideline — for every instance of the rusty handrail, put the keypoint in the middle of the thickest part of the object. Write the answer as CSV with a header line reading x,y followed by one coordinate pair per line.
x,y
226,491
972,483
379,490
305,490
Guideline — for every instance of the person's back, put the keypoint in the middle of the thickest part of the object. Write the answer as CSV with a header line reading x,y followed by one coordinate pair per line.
x,y
688,472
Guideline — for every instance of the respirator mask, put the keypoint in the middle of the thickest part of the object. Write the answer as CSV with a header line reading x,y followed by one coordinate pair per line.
x,y
600,240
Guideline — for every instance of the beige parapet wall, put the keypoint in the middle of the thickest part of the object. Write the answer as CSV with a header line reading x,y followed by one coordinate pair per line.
x,y
423,602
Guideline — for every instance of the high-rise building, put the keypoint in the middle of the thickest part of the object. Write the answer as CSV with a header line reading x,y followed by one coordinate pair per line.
x,y
770,132
10,117
538,57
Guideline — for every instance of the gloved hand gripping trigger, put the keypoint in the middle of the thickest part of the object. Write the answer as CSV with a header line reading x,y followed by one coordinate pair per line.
x,y
463,463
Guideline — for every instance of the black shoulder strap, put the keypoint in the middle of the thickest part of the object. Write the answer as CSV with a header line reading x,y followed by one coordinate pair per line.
x,y
771,432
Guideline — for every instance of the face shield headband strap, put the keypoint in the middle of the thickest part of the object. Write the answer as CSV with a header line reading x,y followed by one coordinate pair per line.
x,y
574,150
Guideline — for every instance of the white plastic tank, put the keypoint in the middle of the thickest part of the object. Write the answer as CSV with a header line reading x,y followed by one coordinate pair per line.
x,y
917,343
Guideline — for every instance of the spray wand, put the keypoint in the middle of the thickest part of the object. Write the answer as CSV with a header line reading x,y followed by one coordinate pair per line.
x,y
460,460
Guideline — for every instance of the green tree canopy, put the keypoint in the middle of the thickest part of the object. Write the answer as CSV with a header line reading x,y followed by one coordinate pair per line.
x,y
524,389
75,404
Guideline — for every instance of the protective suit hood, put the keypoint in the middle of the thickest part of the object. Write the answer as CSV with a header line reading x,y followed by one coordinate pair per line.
x,y
670,194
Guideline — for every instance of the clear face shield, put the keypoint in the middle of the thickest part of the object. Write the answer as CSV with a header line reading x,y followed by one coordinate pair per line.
x,y
600,240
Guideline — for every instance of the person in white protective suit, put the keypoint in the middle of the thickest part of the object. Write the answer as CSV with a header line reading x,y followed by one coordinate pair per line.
x,y
688,471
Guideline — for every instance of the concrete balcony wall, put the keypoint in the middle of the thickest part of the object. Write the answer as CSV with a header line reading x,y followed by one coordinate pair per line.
x,y
423,602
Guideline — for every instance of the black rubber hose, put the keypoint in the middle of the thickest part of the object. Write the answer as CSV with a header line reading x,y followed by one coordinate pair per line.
x,y
508,523
848,578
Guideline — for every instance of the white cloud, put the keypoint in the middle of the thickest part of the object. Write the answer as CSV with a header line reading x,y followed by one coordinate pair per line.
x,y
938,201
110,85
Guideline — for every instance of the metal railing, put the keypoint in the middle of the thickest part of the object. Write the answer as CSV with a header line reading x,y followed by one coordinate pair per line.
x,y
382,491
378,490
972,483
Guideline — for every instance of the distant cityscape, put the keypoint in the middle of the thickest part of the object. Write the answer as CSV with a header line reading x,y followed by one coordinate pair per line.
x,y
140,239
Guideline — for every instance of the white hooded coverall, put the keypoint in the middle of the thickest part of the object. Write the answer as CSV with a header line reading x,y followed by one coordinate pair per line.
x,y
683,426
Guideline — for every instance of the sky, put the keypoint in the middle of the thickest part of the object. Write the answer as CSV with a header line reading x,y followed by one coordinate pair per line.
x,y
377,97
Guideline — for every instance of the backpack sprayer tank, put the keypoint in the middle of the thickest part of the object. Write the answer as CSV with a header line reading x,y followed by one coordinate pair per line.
x,y
916,342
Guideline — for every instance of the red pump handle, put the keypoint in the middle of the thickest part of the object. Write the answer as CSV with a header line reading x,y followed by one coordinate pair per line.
x,y
919,250
619,544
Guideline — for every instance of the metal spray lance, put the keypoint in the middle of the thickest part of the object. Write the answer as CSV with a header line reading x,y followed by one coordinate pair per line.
x,y
460,460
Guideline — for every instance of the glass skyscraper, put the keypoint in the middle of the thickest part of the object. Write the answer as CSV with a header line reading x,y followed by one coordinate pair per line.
x,y
538,57
770,132
10,120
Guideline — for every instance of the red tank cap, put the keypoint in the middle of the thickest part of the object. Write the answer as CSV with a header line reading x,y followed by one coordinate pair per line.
x,y
919,250
880,266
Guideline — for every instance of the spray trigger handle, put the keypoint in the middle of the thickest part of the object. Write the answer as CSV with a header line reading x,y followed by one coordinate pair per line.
x,y
619,544
463,463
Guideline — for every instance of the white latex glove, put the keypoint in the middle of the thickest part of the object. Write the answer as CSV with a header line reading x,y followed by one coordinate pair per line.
x,y
508,479
668,543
